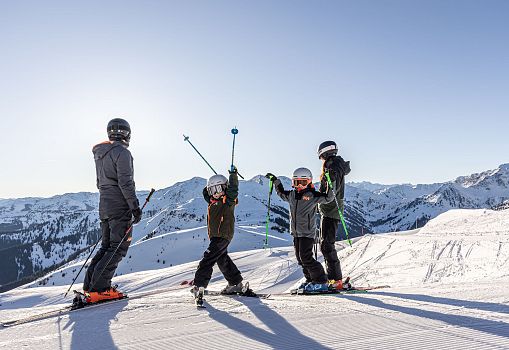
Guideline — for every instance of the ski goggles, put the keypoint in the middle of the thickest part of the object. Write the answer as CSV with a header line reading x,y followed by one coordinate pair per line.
x,y
215,189
300,183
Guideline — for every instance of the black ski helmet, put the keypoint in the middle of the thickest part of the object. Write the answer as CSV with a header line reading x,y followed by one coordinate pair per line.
x,y
327,149
119,130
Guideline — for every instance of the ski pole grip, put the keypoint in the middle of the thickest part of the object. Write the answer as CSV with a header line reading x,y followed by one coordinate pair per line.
x,y
148,198
150,195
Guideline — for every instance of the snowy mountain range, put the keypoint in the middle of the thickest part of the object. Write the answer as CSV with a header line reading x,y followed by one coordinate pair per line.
x,y
38,235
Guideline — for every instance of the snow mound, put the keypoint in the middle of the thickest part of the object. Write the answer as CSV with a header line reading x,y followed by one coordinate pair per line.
x,y
456,247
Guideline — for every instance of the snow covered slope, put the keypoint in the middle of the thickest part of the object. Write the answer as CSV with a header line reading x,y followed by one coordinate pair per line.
x,y
169,249
457,246
448,280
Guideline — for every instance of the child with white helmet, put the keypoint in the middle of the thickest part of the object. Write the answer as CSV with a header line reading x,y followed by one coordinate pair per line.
x,y
303,200
221,195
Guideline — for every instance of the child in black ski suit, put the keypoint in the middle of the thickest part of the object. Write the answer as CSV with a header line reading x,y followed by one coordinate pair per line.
x,y
221,195
337,168
303,202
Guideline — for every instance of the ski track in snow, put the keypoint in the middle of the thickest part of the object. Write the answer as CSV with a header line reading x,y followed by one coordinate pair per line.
x,y
448,291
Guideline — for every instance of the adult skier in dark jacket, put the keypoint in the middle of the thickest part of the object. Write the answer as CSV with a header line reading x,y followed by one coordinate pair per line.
x,y
329,223
303,201
221,195
118,209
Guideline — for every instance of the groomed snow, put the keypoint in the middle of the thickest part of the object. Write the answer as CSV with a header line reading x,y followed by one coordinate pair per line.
x,y
449,285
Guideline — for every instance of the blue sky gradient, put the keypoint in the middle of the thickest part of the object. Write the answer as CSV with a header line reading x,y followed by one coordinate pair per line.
x,y
412,91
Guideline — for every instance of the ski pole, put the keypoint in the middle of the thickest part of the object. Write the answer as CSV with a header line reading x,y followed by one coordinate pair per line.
x,y
320,236
82,266
234,132
339,209
271,186
125,235
186,138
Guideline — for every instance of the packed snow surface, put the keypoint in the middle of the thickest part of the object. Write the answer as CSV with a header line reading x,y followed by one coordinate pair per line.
x,y
448,290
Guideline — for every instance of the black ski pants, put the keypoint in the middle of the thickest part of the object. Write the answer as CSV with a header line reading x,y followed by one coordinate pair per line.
x,y
217,252
105,262
313,270
328,230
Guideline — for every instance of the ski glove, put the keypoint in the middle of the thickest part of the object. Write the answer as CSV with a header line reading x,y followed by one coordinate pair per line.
x,y
233,169
137,215
271,176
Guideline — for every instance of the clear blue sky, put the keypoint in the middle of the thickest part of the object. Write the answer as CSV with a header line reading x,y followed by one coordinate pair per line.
x,y
412,91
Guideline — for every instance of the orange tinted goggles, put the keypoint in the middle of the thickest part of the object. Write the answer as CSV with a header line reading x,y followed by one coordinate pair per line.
x,y
301,182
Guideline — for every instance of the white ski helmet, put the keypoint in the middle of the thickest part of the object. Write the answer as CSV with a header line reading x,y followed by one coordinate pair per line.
x,y
302,177
217,184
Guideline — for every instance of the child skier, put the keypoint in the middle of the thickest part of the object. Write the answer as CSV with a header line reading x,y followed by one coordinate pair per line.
x,y
221,195
337,168
303,201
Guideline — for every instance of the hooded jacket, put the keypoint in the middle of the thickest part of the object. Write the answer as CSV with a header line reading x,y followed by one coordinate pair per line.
x,y
303,208
115,179
338,169
221,212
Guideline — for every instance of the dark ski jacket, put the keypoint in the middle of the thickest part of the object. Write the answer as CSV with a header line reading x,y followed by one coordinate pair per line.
x,y
303,208
338,169
115,179
221,212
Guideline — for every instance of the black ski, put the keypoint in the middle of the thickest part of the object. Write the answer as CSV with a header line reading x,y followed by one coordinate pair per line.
x,y
75,308
352,290
246,292
249,294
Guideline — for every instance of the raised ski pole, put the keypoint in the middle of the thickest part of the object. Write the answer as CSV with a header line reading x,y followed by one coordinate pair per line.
x,y
82,266
339,209
125,235
234,132
186,138
271,186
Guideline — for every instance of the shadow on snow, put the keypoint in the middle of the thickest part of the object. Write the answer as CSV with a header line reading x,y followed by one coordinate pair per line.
x,y
467,304
282,334
497,328
90,329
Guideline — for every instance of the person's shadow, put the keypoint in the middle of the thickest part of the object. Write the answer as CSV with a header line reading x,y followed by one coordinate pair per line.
x,y
468,304
282,334
91,328
498,328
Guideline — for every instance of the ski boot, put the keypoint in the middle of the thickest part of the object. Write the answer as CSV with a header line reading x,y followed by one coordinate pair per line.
x,y
335,285
109,294
340,285
234,289
316,288
300,288
303,284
